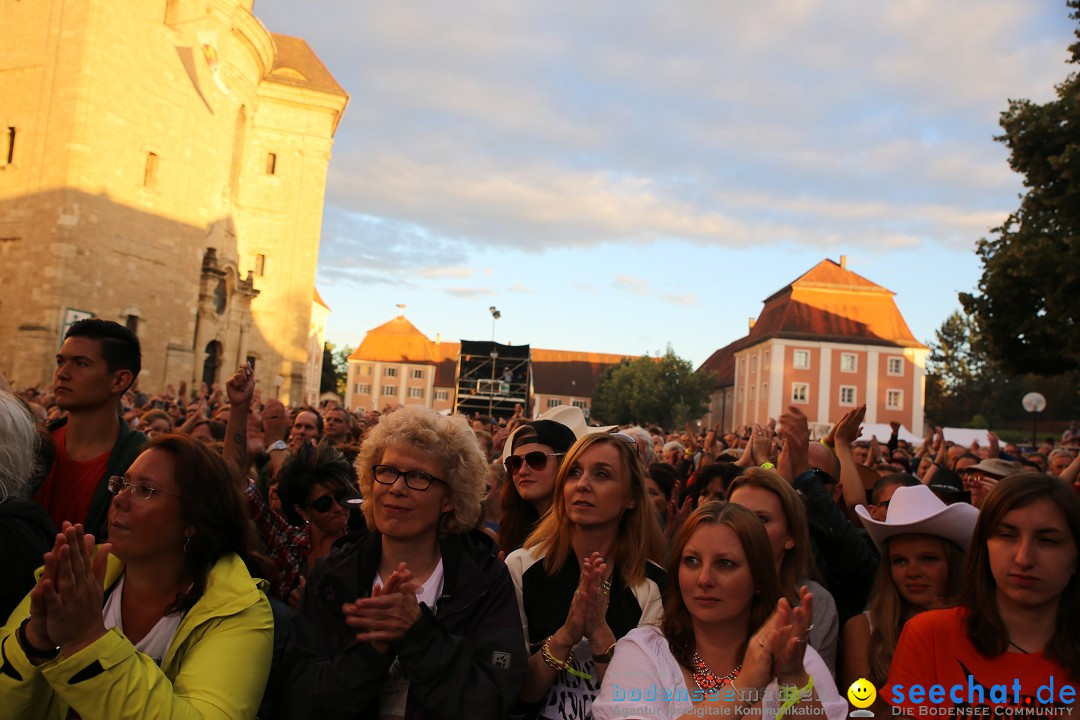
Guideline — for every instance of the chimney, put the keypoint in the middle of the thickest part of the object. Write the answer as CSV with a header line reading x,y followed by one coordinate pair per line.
x,y
843,262
752,321
438,338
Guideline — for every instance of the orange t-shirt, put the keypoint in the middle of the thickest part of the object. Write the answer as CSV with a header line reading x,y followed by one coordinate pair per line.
x,y
69,488
935,666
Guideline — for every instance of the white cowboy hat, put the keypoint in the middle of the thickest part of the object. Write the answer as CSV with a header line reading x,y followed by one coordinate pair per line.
x,y
918,510
568,415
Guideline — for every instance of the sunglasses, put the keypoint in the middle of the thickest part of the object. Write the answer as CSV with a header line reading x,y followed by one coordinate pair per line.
x,y
323,503
537,460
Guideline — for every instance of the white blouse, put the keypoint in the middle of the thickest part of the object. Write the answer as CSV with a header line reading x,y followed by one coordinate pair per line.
x,y
645,681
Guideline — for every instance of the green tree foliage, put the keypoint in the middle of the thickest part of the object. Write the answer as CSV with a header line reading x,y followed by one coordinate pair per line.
x,y
663,390
335,369
965,387
1027,312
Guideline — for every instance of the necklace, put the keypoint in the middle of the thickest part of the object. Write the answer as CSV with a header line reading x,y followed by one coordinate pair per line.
x,y
705,679
1019,648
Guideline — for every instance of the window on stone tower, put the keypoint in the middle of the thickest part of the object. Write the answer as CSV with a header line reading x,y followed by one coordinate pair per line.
x,y
271,163
133,323
150,172
260,265
9,155
171,7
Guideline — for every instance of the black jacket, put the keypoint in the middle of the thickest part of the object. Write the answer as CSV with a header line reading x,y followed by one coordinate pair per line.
x,y
26,534
467,659
129,443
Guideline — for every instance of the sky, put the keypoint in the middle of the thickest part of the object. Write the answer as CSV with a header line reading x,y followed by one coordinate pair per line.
x,y
619,176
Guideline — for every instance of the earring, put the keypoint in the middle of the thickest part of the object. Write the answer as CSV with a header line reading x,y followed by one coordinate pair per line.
x,y
631,506
187,544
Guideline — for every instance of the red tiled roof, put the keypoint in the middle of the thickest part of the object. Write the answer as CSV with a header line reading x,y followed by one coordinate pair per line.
x,y
396,341
566,372
722,363
832,304
319,300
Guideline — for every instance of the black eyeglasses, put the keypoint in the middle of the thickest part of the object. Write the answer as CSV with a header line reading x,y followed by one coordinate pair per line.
x,y
323,503
414,479
537,460
141,491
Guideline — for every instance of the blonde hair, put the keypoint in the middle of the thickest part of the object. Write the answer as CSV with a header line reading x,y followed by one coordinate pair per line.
x,y
637,540
449,441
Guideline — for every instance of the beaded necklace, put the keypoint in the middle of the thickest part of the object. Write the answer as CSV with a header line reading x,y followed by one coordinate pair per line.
x,y
705,679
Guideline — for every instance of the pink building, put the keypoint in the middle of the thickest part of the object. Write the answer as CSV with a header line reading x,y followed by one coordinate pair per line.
x,y
826,342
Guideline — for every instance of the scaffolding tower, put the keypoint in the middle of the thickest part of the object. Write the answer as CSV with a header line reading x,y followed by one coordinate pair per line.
x,y
493,378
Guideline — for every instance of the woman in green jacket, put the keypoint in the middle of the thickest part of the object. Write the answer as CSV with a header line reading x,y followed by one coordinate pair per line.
x,y
164,621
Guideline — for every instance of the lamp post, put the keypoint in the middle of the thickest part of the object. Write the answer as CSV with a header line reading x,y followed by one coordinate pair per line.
x,y
1034,403
495,315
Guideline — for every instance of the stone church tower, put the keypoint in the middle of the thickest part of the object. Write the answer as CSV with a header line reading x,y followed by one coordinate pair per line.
x,y
162,164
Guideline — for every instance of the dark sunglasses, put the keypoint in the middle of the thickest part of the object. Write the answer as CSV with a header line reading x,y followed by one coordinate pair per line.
x,y
537,460
323,503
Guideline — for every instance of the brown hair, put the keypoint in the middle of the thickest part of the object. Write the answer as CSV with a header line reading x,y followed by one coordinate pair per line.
x,y
985,628
210,499
889,611
798,562
678,626
638,538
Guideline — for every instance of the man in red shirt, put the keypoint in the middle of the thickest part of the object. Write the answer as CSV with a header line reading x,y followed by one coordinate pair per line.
x,y
96,365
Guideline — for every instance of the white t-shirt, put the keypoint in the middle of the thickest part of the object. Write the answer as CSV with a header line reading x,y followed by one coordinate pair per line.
x,y
645,681
156,642
395,690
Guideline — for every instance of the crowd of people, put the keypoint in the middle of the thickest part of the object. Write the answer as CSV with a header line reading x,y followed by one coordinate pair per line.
x,y
205,553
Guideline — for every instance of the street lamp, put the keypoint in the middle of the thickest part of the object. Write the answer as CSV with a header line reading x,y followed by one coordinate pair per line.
x,y
495,315
1034,403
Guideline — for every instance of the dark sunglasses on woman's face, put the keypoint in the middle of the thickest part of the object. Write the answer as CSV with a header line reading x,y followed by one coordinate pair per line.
x,y
323,503
537,460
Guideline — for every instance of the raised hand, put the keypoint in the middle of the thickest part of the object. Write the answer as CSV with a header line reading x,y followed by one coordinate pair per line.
x,y
241,386
790,640
74,595
387,615
849,428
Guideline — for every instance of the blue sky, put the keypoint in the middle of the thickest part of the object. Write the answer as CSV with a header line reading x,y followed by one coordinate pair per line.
x,y
619,175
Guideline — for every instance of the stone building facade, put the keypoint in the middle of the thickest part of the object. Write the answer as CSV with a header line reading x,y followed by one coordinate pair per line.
x,y
162,164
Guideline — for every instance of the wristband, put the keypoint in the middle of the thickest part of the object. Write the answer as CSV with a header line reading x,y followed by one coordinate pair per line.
x,y
826,444
791,694
32,652
767,465
558,665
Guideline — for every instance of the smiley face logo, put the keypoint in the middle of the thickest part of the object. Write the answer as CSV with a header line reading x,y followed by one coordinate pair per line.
x,y
862,693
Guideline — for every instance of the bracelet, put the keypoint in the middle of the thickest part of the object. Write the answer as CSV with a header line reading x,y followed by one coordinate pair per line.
x,y
605,657
794,693
31,651
559,665
826,444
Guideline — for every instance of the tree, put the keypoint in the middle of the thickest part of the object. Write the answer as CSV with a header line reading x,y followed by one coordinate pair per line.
x,y
663,390
1027,312
335,369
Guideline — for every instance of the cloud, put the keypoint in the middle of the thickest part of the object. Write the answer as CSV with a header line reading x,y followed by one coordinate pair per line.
x,y
459,271
684,299
518,287
632,284
469,292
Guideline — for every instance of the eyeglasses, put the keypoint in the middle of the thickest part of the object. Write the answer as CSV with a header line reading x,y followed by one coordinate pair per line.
x,y
537,460
414,479
140,491
624,437
323,503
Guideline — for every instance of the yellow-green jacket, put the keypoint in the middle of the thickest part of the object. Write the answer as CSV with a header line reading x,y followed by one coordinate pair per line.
x,y
215,668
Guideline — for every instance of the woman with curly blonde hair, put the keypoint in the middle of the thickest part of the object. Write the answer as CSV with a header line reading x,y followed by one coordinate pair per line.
x,y
417,617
